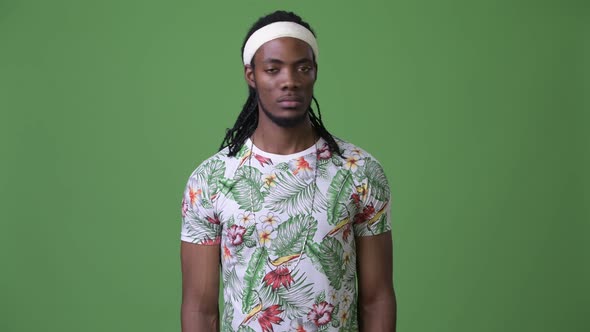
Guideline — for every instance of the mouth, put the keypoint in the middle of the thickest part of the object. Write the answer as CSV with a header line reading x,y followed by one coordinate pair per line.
x,y
290,101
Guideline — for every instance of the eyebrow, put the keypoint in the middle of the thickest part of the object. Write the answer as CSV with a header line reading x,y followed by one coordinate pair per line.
x,y
280,62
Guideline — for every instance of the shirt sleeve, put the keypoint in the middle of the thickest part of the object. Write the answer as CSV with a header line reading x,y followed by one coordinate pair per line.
x,y
200,222
373,197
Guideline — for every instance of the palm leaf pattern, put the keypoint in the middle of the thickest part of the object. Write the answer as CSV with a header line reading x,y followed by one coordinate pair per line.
x,y
253,277
228,317
246,190
291,235
312,250
323,168
379,188
275,208
232,285
292,195
349,271
339,195
208,176
199,228
331,261
295,300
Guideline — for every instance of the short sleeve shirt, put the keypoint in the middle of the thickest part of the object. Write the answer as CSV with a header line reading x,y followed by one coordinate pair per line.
x,y
286,227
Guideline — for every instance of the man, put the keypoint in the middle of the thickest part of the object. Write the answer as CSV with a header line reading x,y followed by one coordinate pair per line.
x,y
294,216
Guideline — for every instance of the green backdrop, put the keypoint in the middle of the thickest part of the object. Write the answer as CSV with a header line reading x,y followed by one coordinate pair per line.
x,y
478,111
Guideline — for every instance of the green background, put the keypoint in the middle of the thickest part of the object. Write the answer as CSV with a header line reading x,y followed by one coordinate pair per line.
x,y
478,111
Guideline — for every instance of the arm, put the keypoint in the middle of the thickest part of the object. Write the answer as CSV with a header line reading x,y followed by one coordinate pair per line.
x,y
376,302
200,287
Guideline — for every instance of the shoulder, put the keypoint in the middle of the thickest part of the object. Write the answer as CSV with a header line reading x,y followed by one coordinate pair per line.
x,y
216,165
363,166
353,151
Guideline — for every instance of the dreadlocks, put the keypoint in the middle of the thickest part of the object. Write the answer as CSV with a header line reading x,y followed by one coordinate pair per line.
x,y
247,121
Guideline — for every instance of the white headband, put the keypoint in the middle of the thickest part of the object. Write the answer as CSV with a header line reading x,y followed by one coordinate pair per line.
x,y
274,31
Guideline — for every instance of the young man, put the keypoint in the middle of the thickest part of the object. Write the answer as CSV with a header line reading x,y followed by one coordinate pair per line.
x,y
294,216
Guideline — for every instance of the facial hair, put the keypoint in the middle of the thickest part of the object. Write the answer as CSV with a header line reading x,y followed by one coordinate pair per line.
x,y
280,121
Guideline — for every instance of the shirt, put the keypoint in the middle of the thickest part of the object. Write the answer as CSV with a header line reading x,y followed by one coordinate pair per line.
x,y
286,227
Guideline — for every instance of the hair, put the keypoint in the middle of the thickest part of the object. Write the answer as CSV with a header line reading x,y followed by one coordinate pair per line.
x,y
247,120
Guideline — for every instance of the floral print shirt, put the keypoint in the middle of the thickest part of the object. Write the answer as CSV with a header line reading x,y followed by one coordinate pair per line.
x,y
286,227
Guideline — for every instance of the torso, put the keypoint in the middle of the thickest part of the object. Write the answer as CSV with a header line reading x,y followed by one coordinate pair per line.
x,y
286,226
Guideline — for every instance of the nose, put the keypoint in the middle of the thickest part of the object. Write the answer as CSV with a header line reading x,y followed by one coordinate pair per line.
x,y
290,80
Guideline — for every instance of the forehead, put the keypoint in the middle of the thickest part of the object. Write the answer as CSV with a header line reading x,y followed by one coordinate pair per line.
x,y
286,49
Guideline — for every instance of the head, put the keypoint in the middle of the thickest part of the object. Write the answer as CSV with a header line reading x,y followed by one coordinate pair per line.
x,y
280,73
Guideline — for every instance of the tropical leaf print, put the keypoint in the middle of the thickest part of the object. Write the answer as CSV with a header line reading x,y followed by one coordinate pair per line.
x,y
243,151
253,278
295,301
375,223
226,185
312,250
381,224
283,167
339,195
228,317
249,237
259,211
321,297
331,261
349,278
323,168
336,160
246,190
230,221
232,285
201,229
352,324
291,235
244,328
294,196
378,185
335,321
209,173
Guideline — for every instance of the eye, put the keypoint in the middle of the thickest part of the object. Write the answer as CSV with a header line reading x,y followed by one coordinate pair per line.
x,y
305,69
271,70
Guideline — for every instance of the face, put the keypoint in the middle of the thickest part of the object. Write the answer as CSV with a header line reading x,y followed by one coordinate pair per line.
x,y
283,76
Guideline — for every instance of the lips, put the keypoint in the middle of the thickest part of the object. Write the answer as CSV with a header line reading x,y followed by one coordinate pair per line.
x,y
290,101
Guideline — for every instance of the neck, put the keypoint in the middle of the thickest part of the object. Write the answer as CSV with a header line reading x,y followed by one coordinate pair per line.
x,y
275,139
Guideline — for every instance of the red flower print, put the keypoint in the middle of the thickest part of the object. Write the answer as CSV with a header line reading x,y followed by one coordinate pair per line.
x,y
324,152
263,160
343,225
299,325
228,255
301,165
236,234
194,195
214,219
346,233
184,207
210,241
355,198
270,316
321,313
368,211
279,276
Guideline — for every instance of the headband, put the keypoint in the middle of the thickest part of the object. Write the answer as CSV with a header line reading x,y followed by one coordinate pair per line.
x,y
274,31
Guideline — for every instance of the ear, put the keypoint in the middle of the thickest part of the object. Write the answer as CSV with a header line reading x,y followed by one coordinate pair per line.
x,y
249,76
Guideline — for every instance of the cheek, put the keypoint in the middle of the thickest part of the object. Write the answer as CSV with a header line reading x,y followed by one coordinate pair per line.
x,y
265,86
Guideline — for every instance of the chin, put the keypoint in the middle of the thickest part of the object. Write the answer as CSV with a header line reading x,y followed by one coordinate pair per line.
x,y
292,120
